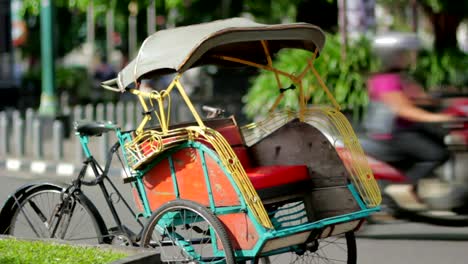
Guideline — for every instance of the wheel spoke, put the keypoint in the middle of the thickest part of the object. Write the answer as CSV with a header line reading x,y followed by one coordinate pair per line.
x,y
29,222
190,235
40,214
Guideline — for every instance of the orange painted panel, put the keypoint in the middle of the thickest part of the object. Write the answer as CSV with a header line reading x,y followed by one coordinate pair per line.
x,y
222,189
137,199
190,177
190,180
240,230
158,185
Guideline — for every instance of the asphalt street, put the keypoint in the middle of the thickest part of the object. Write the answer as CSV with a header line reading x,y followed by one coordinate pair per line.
x,y
398,242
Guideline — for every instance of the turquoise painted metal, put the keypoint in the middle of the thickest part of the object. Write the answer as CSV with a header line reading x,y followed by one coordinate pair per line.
x,y
48,106
84,140
207,180
264,234
174,178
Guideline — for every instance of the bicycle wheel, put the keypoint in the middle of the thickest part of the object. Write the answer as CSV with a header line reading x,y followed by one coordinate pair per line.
x,y
42,214
337,249
186,232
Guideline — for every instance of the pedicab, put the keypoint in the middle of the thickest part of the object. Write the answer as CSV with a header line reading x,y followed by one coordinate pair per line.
x,y
274,190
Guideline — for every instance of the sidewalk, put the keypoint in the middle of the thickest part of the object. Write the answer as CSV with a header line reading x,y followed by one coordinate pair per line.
x,y
68,165
61,169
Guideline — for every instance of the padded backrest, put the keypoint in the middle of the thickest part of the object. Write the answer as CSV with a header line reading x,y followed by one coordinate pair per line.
x,y
233,136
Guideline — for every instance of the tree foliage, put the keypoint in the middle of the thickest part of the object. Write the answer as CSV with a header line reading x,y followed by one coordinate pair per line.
x,y
445,16
345,79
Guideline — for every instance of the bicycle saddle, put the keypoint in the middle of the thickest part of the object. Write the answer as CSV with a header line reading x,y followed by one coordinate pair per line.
x,y
93,128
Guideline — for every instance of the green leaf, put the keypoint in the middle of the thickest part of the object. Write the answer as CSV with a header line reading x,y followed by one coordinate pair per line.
x,y
346,80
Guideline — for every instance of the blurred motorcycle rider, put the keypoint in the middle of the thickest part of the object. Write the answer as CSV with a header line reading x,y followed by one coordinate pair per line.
x,y
394,117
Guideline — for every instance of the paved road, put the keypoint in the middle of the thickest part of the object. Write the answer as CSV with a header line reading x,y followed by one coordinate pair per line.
x,y
383,244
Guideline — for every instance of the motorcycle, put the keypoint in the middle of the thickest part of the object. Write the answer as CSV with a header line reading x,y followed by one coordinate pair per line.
x,y
446,195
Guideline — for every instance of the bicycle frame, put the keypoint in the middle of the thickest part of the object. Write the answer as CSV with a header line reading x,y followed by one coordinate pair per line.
x,y
101,175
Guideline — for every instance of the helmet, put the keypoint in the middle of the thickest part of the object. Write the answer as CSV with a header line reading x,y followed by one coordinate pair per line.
x,y
392,47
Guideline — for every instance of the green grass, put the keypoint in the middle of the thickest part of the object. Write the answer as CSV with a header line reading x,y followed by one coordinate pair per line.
x,y
14,251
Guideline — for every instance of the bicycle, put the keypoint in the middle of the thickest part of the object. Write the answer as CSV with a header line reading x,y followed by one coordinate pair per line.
x,y
46,210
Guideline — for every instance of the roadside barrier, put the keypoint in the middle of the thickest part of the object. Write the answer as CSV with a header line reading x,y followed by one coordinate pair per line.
x,y
28,142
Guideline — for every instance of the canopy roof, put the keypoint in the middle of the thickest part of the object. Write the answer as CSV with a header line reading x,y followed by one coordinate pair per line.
x,y
182,48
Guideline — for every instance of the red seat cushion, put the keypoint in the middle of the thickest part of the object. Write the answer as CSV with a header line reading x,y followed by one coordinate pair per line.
x,y
271,176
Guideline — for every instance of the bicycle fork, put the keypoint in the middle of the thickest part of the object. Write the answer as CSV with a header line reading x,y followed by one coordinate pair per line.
x,y
64,209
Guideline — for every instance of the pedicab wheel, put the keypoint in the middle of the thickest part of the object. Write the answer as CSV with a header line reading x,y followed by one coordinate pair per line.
x,y
186,232
336,249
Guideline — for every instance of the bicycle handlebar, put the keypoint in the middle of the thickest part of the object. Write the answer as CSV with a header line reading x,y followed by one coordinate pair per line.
x,y
212,111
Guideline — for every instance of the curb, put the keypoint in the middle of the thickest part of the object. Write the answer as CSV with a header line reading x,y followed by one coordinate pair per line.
x,y
143,258
39,167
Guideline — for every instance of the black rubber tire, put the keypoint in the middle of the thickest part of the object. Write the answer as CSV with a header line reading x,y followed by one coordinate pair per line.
x,y
196,208
24,209
351,254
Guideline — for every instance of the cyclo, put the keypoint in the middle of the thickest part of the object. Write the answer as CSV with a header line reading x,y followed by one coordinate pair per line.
x,y
213,192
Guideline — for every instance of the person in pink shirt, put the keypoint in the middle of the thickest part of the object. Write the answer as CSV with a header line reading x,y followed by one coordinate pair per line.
x,y
395,117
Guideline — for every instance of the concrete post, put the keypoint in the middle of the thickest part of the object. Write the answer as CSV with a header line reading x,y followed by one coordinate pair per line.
x,y
100,113
104,145
120,111
77,113
38,150
110,112
58,137
4,134
89,112
19,132
30,115
15,115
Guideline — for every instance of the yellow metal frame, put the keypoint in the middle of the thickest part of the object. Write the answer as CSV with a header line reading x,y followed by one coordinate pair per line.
x,y
159,97
334,124
359,170
297,79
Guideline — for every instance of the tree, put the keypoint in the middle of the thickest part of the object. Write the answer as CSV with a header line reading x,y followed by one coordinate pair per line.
x,y
323,13
445,16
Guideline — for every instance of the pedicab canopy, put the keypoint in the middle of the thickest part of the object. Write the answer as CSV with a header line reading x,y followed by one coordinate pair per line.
x,y
182,48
